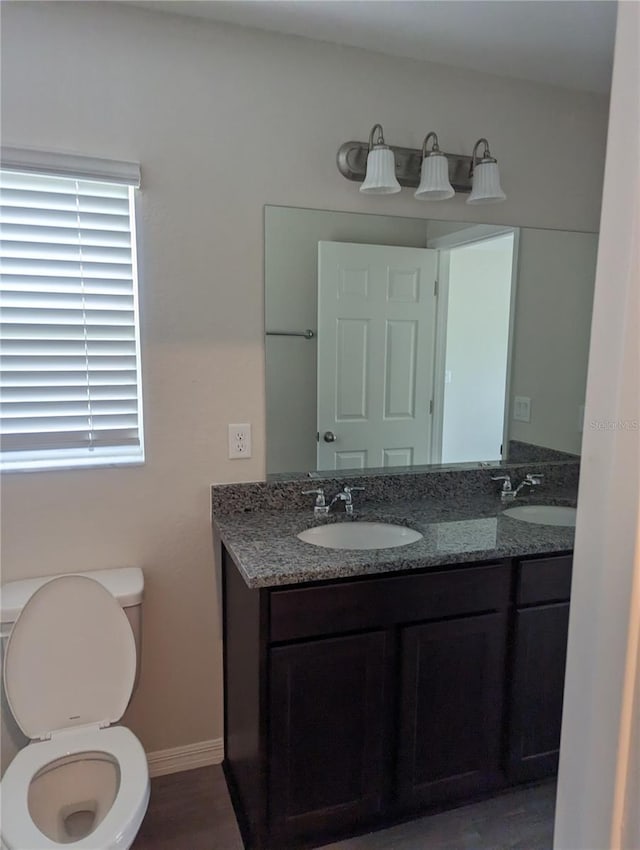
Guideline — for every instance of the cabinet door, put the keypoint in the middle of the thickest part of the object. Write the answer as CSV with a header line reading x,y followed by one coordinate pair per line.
x,y
450,710
535,711
327,722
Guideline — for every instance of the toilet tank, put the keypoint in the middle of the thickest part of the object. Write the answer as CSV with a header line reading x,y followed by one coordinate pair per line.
x,y
125,583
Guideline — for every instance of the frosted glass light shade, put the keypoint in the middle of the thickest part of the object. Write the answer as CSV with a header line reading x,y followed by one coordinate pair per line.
x,y
380,178
434,179
486,187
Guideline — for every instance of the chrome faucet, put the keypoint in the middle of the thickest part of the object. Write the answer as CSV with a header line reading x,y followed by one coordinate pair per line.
x,y
346,497
531,479
320,507
508,493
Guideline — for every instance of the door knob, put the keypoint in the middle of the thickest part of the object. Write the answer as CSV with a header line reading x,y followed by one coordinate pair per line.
x,y
329,437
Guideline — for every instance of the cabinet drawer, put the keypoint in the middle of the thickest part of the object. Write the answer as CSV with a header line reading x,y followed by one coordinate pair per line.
x,y
380,603
544,580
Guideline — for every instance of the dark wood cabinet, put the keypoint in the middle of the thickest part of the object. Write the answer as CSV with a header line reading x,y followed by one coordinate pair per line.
x,y
350,704
540,622
537,687
451,699
328,721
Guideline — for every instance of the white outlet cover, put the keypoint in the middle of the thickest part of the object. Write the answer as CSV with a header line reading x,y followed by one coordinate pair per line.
x,y
522,408
239,436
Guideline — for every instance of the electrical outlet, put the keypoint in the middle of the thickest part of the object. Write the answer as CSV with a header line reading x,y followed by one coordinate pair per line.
x,y
522,408
240,440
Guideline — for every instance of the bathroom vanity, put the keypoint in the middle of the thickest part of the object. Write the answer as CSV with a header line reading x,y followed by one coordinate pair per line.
x,y
367,687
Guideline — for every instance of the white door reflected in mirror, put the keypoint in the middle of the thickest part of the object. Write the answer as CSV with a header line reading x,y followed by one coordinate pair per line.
x,y
376,332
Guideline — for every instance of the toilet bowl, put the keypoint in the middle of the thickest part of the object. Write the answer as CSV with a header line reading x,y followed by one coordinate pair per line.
x,y
88,789
69,670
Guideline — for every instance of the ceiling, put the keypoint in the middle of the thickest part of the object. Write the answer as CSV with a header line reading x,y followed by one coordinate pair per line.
x,y
562,42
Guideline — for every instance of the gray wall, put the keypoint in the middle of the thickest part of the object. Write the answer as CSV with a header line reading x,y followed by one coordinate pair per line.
x,y
551,335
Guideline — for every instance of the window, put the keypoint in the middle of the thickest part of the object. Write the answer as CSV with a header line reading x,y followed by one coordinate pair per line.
x,y
70,360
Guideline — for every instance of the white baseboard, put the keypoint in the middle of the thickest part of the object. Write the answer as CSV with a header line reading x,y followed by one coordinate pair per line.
x,y
188,757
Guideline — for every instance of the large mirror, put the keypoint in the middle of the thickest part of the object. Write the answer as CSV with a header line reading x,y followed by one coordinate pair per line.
x,y
401,342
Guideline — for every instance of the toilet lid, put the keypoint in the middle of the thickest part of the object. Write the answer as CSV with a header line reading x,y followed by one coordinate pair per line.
x,y
70,659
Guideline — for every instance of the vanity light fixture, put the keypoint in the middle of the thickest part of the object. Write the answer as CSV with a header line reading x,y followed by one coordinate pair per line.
x,y
380,178
485,188
434,173
383,169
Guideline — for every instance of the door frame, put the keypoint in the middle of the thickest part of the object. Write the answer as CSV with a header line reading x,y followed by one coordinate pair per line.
x,y
444,244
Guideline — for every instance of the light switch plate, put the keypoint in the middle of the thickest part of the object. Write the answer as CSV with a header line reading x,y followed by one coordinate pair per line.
x,y
239,441
522,408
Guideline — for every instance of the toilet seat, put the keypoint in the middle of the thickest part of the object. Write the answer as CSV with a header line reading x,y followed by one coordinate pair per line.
x,y
70,660
69,670
122,821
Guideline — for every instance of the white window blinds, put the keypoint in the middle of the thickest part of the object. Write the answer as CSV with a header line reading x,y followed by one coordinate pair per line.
x,y
70,363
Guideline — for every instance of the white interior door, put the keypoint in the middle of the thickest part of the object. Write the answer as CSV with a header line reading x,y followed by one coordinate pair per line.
x,y
376,325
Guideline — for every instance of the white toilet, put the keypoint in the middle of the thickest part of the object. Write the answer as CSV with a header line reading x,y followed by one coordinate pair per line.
x,y
70,666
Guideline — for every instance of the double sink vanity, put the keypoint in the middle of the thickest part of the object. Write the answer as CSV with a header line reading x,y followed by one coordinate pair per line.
x,y
397,657
395,622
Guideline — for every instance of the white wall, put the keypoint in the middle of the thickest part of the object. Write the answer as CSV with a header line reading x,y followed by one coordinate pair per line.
x,y
630,795
226,120
597,804
291,303
551,335
551,328
479,303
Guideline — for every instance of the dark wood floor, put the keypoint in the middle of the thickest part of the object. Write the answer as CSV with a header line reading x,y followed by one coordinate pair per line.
x,y
192,811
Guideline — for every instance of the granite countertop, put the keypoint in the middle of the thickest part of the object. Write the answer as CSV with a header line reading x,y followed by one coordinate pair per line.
x,y
264,545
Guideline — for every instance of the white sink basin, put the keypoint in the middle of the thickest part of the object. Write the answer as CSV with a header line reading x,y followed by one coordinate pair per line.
x,y
543,514
360,535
